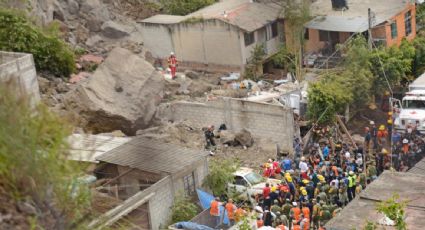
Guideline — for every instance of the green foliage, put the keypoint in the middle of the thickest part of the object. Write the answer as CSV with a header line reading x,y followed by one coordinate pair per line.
x,y
395,61
419,59
184,7
220,174
394,209
334,91
255,62
245,223
194,20
183,209
370,226
33,157
50,53
284,59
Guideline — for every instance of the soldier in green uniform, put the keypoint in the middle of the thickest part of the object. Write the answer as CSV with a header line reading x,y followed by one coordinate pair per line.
x,y
275,207
316,214
286,208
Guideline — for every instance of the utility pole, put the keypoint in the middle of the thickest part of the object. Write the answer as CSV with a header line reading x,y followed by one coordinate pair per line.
x,y
369,19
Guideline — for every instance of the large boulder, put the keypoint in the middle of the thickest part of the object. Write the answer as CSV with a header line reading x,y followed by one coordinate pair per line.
x,y
244,138
111,29
123,94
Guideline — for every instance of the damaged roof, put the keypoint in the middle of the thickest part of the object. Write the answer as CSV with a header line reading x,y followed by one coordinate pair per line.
x,y
245,14
409,186
355,18
152,156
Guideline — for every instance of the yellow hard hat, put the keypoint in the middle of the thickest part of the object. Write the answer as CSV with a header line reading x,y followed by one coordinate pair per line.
x,y
384,151
288,179
304,192
382,127
390,113
273,189
390,121
320,177
305,181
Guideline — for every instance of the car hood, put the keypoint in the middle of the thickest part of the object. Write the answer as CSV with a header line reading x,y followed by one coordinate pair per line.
x,y
261,185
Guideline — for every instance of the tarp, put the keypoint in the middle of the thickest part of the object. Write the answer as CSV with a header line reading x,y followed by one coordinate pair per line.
x,y
205,199
191,226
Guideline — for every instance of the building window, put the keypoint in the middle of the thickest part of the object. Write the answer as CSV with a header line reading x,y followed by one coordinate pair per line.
x,y
393,30
189,184
408,22
274,29
323,35
306,34
249,38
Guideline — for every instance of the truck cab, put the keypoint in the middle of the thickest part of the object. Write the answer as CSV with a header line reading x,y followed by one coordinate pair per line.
x,y
249,183
412,111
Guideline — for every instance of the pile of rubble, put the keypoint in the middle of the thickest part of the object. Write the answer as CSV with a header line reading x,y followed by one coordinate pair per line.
x,y
255,152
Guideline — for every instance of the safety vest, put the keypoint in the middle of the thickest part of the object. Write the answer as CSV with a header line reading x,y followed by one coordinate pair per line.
x,y
351,181
296,227
260,223
282,227
296,212
230,212
306,212
214,211
172,61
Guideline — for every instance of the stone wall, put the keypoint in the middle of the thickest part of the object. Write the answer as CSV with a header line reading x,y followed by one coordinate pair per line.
x,y
20,68
261,119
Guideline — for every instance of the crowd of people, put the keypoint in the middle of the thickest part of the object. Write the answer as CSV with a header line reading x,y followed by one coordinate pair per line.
x,y
318,182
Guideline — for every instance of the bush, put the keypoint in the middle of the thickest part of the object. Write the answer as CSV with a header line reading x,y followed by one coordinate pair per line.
x,y
33,159
184,7
50,53
183,209
220,174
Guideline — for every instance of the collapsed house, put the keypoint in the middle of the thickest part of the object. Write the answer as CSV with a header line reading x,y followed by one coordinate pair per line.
x,y
148,174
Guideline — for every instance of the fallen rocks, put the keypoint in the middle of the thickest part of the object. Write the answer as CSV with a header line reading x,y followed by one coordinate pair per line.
x,y
244,138
122,94
111,29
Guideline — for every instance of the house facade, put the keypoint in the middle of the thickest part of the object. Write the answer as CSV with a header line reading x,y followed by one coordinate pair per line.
x,y
148,174
219,37
391,22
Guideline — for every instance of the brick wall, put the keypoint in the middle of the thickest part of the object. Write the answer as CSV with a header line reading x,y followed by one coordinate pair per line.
x,y
21,68
262,120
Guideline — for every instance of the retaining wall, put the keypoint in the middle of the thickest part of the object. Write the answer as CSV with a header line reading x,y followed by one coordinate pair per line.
x,y
261,119
20,68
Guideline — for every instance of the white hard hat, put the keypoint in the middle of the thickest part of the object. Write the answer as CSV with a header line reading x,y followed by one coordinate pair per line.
x,y
172,53
405,141
372,122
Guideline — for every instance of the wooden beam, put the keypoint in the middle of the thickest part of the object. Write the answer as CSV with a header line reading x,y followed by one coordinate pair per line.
x,y
117,177
338,119
121,210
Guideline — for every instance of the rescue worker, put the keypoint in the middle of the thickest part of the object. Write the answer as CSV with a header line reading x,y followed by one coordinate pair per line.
x,y
390,122
351,191
230,208
304,222
215,210
209,138
172,64
295,214
316,214
286,208
305,210
275,207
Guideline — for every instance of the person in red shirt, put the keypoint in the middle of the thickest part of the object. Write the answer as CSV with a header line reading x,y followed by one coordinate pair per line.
x,y
172,64
266,190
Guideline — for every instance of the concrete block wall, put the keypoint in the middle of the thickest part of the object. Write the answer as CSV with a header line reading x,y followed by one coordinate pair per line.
x,y
160,204
20,67
261,119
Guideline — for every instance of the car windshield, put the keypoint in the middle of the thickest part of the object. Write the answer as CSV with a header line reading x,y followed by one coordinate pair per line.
x,y
254,178
413,104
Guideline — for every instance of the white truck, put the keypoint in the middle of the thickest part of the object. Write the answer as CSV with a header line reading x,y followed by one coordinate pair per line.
x,y
249,183
411,111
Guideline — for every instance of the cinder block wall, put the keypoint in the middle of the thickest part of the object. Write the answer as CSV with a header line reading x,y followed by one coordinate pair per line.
x,y
20,67
160,204
261,119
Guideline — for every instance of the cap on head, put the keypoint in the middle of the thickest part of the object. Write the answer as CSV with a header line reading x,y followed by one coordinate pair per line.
x,y
372,123
351,173
294,203
172,53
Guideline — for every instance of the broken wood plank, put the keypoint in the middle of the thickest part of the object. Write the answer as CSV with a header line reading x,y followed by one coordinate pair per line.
x,y
338,119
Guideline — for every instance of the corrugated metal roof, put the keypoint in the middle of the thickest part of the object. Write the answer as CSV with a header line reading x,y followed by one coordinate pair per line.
x,y
244,14
84,147
152,156
338,23
419,168
355,18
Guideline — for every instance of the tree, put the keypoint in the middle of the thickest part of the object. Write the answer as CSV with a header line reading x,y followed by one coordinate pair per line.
x,y
183,209
33,161
284,59
296,13
255,62
184,7
220,174
419,59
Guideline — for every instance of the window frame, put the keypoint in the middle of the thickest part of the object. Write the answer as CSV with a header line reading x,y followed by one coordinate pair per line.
x,y
394,30
306,34
324,33
189,184
408,23
274,28
249,38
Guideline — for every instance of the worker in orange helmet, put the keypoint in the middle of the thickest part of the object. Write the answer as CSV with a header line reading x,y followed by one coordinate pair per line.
x,y
172,64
